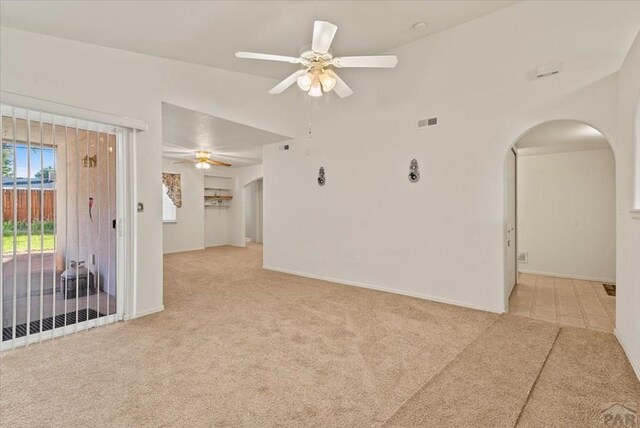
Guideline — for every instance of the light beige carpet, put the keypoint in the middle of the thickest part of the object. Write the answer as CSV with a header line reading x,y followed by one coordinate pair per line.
x,y
488,384
586,373
241,346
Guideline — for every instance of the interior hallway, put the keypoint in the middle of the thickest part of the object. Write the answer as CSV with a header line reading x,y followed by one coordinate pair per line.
x,y
568,302
241,346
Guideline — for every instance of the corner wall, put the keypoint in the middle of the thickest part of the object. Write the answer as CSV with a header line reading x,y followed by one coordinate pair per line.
x,y
628,268
243,176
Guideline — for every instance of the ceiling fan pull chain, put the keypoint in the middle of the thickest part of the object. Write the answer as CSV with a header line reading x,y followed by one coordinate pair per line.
x,y
310,124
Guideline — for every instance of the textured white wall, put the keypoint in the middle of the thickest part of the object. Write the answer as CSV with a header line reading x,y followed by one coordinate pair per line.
x,y
567,214
134,85
441,238
628,238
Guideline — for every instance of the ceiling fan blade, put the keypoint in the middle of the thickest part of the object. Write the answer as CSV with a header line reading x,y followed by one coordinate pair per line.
x,y
185,161
280,87
379,61
218,163
268,57
341,88
323,33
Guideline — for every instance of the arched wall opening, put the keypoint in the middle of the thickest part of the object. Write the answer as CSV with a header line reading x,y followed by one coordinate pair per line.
x,y
252,224
560,224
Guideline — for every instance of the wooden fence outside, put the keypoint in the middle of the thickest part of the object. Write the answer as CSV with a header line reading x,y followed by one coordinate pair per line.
x,y
22,196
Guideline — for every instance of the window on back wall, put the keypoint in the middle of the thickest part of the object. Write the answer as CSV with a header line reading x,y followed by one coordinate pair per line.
x,y
168,208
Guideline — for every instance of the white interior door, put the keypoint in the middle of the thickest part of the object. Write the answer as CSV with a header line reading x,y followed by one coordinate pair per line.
x,y
511,271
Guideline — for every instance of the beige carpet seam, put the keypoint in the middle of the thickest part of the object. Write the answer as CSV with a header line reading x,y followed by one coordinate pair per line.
x,y
533,385
426,382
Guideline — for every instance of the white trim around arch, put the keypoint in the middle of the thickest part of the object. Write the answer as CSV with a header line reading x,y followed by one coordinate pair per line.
x,y
507,153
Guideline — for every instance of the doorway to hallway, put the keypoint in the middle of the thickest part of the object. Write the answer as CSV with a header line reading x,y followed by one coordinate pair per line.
x,y
253,209
560,211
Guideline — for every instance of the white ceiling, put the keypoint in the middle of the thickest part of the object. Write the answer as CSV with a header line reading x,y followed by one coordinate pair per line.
x,y
561,136
209,32
185,131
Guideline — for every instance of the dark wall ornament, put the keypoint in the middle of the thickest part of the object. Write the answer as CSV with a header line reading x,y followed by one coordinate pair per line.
x,y
414,173
321,178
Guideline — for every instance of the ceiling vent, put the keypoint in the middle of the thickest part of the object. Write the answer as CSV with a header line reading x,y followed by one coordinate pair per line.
x,y
423,123
549,69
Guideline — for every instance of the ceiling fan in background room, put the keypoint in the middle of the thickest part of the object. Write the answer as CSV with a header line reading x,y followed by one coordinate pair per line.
x,y
317,74
203,160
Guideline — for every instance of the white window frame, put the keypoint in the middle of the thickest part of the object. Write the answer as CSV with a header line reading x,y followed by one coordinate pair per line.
x,y
169,210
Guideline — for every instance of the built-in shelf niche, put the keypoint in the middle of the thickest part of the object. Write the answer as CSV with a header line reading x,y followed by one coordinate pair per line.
x,y
217,191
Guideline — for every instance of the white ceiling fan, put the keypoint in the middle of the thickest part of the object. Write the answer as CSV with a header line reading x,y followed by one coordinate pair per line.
x,y
203,160
317,75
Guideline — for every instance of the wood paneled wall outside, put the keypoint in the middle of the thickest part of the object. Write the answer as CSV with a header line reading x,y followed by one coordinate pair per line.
x,y
36,198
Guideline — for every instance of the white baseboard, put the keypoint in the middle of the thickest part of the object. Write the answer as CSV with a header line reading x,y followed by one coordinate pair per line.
x,y
563,275
148,312
634,364
183,250
386,290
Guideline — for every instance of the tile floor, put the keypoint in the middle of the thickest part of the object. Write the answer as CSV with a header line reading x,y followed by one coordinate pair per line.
x,y
570,302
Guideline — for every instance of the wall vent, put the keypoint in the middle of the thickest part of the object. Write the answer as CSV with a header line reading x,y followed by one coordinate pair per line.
x,y
523,257
423,123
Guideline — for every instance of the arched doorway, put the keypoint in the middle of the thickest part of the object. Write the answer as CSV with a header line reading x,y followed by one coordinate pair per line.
x,y
253,211
560,226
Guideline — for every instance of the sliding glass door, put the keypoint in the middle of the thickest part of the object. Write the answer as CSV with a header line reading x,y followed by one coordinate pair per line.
x,y
59,225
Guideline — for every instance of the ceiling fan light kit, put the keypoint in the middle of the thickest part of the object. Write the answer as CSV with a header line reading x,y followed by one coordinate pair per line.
x,y
203,165
316,89
317,75
204,161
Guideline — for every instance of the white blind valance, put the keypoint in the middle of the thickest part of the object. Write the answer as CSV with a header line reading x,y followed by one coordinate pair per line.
x,y
60,111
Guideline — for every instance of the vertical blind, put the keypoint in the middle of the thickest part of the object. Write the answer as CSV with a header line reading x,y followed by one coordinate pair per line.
x,y
59,213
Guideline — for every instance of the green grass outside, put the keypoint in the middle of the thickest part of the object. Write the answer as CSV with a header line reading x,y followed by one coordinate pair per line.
x,y
22,243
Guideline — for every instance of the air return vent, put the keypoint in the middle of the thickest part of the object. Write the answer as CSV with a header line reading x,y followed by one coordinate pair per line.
x,y
423,123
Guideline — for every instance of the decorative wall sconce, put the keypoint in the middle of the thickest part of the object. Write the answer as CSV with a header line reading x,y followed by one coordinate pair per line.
x,y
90,161
414,173
321,178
